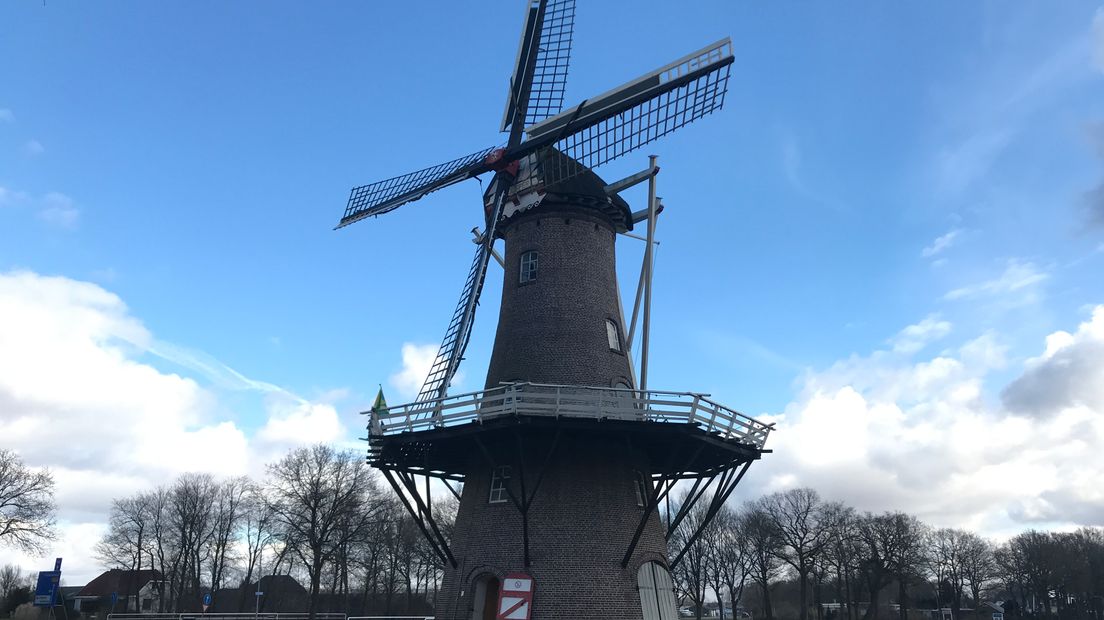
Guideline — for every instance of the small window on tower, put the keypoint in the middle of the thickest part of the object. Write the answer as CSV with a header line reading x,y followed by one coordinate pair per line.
x,y
613,336
499,477
528,267
641,487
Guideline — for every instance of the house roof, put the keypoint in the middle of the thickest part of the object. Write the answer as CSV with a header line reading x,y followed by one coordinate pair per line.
x,y
123,582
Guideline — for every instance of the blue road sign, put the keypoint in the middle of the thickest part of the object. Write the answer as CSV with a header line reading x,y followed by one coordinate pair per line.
x,y
207,599
46,588
114,598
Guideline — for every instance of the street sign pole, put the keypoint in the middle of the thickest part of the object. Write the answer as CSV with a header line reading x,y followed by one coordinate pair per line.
x,y
257,606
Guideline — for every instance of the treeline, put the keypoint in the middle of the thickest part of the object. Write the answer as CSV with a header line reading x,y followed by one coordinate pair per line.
x,y
795,546
318,516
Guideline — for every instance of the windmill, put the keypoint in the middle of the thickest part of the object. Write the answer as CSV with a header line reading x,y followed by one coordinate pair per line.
x,y
595,131
563,433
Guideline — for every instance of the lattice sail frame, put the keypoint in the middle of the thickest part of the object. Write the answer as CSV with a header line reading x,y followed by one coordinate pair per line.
x,y
549,76
647,121
546,94
389,194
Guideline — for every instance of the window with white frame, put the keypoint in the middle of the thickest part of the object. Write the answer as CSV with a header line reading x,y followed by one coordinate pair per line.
x,y
613,335
641,488
528,267
500,476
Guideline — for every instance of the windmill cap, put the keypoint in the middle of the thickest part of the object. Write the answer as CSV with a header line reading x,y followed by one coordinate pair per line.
x,y
567,183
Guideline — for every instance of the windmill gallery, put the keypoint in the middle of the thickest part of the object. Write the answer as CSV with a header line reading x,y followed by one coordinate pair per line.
x,y
561,464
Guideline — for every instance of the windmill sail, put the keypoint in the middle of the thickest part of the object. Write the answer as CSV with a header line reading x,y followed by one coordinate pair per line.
x,y
383,196
630,116
459,329
548,79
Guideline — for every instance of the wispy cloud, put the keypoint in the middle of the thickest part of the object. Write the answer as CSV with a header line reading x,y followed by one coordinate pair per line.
x,y
917,336
792,157
218,373
941,243
6,116
59,210
33,148
961,165
989,108
1018,277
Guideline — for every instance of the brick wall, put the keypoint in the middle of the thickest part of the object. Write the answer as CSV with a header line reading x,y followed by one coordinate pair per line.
x,y
580,523
553,330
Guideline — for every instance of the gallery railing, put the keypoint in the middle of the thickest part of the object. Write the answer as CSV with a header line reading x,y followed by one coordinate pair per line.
x,y
562,401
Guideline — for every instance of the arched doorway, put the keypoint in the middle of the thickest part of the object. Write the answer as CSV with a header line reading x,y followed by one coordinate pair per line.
x,y
485,597
657,599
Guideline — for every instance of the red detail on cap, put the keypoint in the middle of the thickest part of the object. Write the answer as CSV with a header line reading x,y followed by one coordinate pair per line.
x,y
498,164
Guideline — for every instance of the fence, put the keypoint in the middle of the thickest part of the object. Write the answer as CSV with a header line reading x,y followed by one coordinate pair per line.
x,y
532,399
246,616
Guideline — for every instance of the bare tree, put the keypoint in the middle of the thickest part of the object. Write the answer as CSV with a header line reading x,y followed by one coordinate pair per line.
x,y
910,558
12,578
803,524
842,556
127,538
321,500
978,566
257,533
763,548
231,497
191,516
893,550
947,548
691,575
729,557
27,505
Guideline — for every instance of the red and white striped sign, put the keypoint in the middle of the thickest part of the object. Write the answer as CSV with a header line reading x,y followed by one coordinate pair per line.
x,y
515,602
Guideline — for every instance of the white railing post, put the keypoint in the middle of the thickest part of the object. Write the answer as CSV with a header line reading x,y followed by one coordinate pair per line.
x,y
694,408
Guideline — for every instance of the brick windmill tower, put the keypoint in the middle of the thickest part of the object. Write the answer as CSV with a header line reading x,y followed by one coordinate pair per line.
x,y
562,463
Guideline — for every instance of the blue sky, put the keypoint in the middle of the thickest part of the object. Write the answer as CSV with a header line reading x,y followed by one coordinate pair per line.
x,y
876,166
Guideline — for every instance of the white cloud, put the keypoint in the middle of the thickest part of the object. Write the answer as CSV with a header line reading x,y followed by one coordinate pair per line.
x,y
76,396
297,423
1098,38
59,210
1021,279
6,116
915,337
33,148
1069,373
883,432
941,243
416,362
